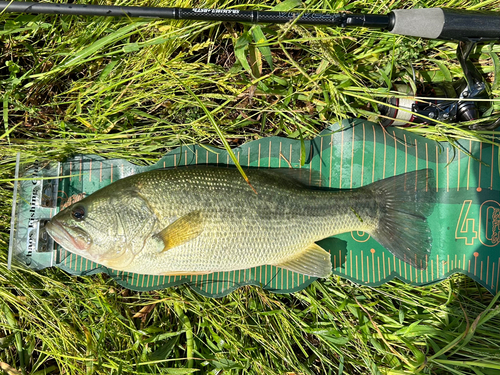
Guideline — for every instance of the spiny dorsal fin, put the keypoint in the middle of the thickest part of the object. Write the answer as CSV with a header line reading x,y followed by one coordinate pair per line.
x,y
312,261
182,230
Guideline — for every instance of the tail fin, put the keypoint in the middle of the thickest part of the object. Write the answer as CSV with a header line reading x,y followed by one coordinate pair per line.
x,y
405,201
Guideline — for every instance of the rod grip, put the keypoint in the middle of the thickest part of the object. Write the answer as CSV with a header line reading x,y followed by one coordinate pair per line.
x,y
439,23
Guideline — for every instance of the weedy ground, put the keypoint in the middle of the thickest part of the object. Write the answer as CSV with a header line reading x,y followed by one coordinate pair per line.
x,y
135,89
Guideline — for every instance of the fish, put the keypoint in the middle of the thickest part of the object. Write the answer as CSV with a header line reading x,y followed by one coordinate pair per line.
x,y
205,219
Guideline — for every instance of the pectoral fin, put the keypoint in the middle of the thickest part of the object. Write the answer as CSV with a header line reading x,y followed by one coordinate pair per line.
x,y
183,230
312,261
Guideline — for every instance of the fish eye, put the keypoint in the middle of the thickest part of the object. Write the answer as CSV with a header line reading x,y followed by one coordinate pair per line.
x,y
78,213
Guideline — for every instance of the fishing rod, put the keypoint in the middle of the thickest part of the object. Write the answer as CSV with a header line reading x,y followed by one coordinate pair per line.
x,y
433,23
466,27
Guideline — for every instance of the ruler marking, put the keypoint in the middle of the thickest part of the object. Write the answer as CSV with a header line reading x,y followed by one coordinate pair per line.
x,y
487,268
363,156
468,166
219,276
279,159
374,149
367,268
447,169
350,263
352,156
357,276
492,161
437,265
378,266
331,162
427,266
492,274
480,163
310,165
406,153
395,158
498,274
269,159
383,263
362,268
385,154
341,158
416,155
320,160
373,267
258,166
427,166
437,169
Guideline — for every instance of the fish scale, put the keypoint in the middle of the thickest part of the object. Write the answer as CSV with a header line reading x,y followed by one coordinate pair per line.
x,y
208,219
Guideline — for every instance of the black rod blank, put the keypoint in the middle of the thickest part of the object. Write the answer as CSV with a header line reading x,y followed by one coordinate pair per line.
x,y
202,14
433,23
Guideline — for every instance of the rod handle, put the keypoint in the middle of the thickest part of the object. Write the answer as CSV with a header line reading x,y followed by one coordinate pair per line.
x,y
442,23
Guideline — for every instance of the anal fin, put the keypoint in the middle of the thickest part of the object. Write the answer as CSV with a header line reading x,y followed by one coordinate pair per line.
x,y
312,261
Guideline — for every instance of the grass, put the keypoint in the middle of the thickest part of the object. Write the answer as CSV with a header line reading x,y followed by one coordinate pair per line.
x,y
132,89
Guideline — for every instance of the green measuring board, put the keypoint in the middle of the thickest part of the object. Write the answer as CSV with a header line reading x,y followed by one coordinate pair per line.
x,y
465,223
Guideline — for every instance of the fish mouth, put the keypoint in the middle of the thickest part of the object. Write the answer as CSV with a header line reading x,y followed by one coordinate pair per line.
x,y
72,239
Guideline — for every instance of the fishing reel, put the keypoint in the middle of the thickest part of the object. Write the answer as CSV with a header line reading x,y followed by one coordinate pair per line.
x,y
457,101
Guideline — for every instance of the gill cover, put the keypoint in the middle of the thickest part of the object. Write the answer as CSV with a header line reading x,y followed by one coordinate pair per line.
x,y
117,224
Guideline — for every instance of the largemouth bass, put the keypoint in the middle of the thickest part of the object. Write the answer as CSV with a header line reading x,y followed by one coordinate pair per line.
x,y
197,220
